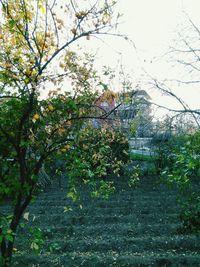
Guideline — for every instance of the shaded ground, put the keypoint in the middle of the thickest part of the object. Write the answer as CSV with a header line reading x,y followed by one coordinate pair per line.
x,y
135,227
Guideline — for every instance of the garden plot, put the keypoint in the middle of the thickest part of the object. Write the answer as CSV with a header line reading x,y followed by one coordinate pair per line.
x,y
134,227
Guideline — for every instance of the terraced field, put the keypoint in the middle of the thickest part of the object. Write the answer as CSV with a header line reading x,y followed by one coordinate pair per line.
x,y
135,227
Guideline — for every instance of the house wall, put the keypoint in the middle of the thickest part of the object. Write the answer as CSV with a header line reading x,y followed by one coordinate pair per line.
x,y
140,143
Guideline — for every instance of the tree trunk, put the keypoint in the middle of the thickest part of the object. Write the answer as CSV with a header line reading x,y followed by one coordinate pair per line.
x,y
7,249
6,256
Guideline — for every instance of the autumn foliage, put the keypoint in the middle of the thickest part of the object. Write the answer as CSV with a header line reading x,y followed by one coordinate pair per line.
x,y
47,91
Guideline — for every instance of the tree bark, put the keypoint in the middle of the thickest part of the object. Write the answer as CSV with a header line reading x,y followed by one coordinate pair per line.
x,y
7,249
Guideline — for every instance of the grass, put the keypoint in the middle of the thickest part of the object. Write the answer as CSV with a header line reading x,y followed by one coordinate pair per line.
x,y
141,157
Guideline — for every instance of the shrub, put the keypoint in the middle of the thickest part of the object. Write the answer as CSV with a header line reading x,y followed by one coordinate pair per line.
x,y
180,166
163,148
190,215
98,153
182,160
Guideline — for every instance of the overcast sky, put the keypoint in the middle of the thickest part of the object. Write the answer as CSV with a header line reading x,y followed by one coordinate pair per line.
x,y
153,27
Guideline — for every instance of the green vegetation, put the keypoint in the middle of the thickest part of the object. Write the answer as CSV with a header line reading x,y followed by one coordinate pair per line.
x,y
142,157
177,162
110,209
180,165
35,124
134,227
102,152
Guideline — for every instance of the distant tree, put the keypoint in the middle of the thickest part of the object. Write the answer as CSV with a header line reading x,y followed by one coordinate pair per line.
x,y
185,55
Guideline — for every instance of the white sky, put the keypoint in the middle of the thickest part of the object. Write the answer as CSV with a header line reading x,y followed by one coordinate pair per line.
x,y
152,25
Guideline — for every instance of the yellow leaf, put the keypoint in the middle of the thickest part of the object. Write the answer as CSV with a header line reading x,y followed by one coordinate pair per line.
x,y
43,10
61,64
73,31
35,117
67,147
50,108
68,123
61,130
26,216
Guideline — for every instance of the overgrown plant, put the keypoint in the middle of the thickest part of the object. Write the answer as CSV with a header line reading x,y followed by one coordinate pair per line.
x,y
182,160
163,148
182,169
98,153
190,214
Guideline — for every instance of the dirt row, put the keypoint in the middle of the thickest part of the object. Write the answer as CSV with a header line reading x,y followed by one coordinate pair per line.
x,y
134,227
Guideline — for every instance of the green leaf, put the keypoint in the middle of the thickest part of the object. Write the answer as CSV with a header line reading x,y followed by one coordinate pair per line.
x,y
10,238
34,246
67,209
12,23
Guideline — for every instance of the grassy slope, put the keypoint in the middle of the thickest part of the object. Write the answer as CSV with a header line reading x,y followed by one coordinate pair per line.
x,y
141,157
135,227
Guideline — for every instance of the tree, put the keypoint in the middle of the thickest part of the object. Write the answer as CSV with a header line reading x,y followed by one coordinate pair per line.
x,y
35,55
178,153
185,55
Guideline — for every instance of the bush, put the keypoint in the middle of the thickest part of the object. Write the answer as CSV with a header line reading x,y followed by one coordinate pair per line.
x,y
98,153
182,160
180,165
190,215
163,147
